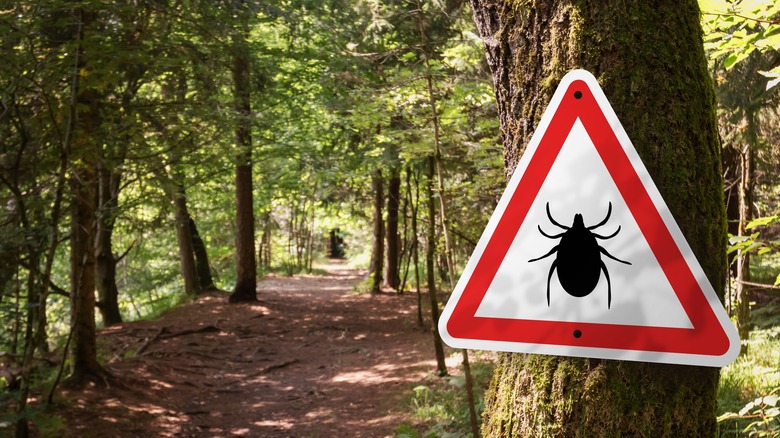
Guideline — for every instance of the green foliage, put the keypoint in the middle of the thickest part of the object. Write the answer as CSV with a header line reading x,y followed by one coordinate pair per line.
x,y
364,287
735,29
339,89
45,423
763,414
754,244
440,407
749,386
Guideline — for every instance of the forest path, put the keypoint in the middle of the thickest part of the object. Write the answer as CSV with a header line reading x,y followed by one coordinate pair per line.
x,y
310,359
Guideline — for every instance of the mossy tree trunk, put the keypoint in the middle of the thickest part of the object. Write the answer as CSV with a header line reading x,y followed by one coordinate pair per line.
x,y
648,57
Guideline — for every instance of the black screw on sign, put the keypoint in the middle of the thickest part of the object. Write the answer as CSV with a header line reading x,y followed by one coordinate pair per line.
x,y
578,257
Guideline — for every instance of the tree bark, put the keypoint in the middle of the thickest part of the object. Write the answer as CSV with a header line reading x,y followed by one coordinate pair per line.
x,y
110,175
732,175
746,183
189,271
246,266
378,251
82,273
649,59
415,245
437,155
430,265
264,253
202,265
105,262
392,273
83,185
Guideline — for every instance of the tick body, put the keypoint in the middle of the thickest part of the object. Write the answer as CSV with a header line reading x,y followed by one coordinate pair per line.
x,y
578,257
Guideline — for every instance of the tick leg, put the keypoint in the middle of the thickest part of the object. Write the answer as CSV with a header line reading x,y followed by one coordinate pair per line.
x,y
549,276
609,213
609,285
552,251
597,236
549,216
547,235
604,251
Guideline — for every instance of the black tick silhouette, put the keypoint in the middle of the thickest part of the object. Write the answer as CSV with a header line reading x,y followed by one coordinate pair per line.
x,y
578,257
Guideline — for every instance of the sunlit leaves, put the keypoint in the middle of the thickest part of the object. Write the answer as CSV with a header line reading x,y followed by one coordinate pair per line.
x,y
734,30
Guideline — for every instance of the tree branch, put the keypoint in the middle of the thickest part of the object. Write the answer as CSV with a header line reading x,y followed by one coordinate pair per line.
x,y
759,285
745,17
124,254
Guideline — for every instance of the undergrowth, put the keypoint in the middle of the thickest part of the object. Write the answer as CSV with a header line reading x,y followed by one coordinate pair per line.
x,y
748,394
439,405
749,388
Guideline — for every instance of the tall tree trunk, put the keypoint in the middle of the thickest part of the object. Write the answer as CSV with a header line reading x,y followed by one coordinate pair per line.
x,y
416,245
378,251
202,265
310,242
33,274
189,271
105,262
82,276
83,185
430,265
109,186
732,171
22,429
392,273
437,156
264,252
246,266
658,84
746,183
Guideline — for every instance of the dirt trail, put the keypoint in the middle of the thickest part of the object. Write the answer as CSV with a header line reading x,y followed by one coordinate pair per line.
x,y
311,359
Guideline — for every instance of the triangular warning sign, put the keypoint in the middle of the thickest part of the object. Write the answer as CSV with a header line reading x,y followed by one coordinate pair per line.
x,y
582,256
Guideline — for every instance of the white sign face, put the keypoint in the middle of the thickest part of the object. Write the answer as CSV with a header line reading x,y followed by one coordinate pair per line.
x,y
582,256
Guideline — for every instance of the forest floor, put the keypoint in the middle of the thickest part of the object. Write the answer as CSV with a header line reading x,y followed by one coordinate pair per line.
x,y
311,359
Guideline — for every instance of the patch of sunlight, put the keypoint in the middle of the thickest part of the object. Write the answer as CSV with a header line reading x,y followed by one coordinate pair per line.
x,y
360,337
159,385
113,403
387,367
388,418
361,377
260,309
151,409
319,413
233,376
112,329
241,432
283,424
452,361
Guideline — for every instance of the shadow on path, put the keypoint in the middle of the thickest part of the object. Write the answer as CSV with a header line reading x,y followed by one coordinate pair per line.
x,y
311,359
